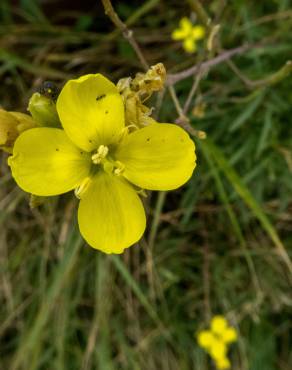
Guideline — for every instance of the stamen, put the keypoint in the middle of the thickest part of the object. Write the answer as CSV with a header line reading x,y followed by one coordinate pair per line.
x,y
81,189
102,152
119,168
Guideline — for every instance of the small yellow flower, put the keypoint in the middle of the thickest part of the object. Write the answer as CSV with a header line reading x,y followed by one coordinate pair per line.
x,y
96,155
215,341
189,34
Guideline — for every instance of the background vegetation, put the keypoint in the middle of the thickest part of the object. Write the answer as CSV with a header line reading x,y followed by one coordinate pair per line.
x,y
214,246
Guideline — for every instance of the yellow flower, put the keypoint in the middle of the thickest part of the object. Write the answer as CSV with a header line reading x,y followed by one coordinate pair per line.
x,y
95,155
215,341
189,34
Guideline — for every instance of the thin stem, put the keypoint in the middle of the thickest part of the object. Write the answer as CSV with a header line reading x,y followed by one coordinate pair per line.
x,y
274,78
127,33
200,11
176,102
192,92
156,218
176,77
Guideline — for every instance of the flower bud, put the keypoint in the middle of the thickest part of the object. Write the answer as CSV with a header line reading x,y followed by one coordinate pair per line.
x,y
43,110
11,125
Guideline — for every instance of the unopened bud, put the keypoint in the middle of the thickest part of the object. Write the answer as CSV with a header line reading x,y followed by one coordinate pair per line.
x,y
43,110
201,134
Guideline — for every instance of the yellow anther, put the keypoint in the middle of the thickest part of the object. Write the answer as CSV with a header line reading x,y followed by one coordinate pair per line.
x,y
101,153
119,168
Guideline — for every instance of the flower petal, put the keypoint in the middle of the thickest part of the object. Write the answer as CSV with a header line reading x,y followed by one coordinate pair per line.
x,y
45,162
111,216
218,324
91,111
186,25
198,32
179,34
189,45
160,156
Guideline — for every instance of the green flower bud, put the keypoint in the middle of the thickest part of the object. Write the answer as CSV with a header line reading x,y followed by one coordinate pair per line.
x,y
43,110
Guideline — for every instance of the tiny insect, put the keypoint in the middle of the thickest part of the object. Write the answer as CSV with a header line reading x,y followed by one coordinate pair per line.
x,y
99,97
49,89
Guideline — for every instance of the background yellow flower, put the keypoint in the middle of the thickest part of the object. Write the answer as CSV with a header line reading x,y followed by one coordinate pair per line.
x,y
189,34
215,341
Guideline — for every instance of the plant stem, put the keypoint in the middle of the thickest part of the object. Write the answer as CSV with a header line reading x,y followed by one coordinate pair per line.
x,y
127,33
176,77
201,13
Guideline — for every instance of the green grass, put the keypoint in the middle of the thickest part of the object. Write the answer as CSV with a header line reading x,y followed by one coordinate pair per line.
x,y
221,244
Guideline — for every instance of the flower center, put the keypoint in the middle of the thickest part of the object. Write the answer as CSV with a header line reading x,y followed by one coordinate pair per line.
x,y
100,154
109,164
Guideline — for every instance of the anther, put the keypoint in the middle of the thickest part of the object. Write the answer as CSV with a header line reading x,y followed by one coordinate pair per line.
x,y
119,168
102,152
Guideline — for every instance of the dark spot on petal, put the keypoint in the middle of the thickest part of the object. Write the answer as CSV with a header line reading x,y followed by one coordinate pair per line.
x,y
106,112
81,152
57,149
90,141
148,139
99,97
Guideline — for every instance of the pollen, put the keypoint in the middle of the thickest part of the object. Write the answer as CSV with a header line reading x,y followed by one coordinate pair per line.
x,y
101,153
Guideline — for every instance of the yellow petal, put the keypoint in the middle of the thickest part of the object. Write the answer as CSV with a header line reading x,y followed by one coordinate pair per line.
x,y
205,339
25,121
8,128
179,34
160,156
45,162
218,349
223,363
91,111
111,216
218,324
186,25
229,335
189,45
198,32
